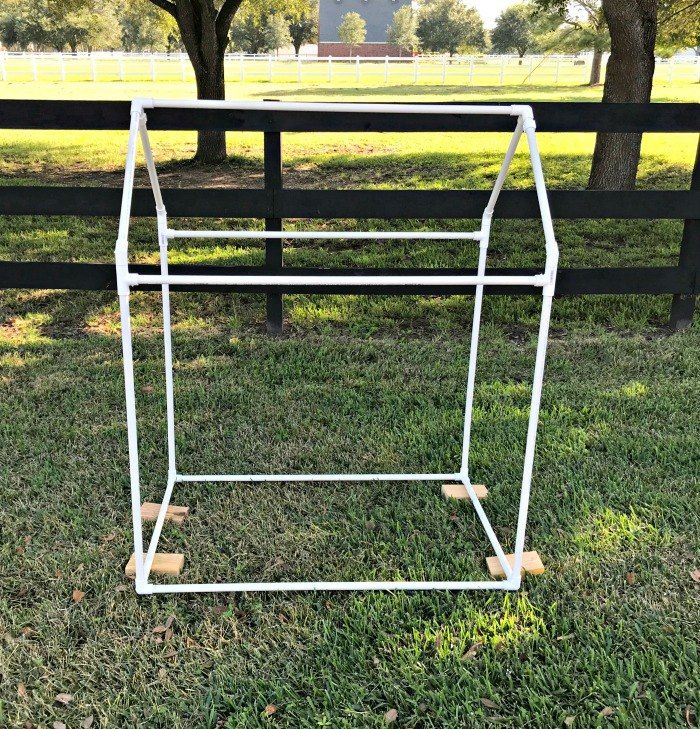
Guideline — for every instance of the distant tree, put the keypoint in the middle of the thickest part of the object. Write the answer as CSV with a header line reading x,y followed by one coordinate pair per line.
x,y
514,30
249,33
352,30
91,24
446,26
10,33
145,28
59,24
302,17
277,32
402,31
582,26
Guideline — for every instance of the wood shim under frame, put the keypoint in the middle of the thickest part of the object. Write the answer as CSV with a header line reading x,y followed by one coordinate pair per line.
x,y
174,514
459,491
532,564
164,563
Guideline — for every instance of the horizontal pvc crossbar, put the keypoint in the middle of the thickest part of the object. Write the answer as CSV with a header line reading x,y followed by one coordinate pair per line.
x,y
325,234
262,478
333,586
135,279
336,107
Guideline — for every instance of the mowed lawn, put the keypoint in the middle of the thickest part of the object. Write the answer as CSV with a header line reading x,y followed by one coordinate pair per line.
x,y
606,637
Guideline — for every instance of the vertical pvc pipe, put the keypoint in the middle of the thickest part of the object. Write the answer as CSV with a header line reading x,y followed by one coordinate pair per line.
x,y
386,69
542,199
298,69
444,70
61,67
35,70
538,376
357,68
415,69
532,434
153,68
3,66
165,290
129,391
479,295
503,70
330,68
132,438
241,63
93,67
556,71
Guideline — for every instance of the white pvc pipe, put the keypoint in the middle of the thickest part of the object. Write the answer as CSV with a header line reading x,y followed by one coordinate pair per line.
x,y
487,527
132,436
479,295
139,279
473,351
160,520
332,586
533,420
344,477
126,279
338,107
505,166
125,211
161,218
550,240
325,234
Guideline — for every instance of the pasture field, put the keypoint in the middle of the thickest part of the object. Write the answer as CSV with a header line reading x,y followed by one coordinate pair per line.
x,y
606,637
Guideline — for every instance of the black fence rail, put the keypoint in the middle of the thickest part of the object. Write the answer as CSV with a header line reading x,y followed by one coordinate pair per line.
x,y
273,203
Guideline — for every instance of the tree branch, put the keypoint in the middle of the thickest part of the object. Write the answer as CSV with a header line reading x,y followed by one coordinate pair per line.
x,y
224,18
663,19
166,5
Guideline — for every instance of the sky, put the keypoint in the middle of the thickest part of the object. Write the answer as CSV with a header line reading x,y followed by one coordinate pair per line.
x,y
490,9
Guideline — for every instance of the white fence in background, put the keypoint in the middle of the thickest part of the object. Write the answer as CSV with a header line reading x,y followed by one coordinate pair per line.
x,y
460,70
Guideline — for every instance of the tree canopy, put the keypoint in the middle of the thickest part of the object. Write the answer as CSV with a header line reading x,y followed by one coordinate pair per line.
x,y
352,29
145,28
402,31
61,24
514,30
447,26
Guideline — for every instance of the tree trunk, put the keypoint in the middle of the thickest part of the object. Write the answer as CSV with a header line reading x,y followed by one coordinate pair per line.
x,y
628,79
211,145
205,45
596,66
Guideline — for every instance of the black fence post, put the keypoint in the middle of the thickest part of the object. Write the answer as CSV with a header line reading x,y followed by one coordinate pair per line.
x,y
273,246
683,306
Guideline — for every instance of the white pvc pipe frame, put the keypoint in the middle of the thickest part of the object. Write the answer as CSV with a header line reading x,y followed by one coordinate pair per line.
x,y
525,124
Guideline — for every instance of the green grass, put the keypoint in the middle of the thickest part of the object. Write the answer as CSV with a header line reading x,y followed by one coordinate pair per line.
x,y
370,384
615,492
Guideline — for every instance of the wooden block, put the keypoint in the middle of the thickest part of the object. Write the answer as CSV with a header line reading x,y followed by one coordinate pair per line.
x,y
532,564
163,564
459,491
175,514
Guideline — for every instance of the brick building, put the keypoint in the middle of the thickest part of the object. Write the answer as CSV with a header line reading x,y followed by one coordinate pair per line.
x,y
378,15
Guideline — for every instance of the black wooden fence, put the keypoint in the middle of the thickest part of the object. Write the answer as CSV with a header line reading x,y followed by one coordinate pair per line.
x,y
273,203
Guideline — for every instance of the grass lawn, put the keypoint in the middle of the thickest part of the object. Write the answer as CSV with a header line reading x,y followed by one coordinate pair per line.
x,y
608,635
